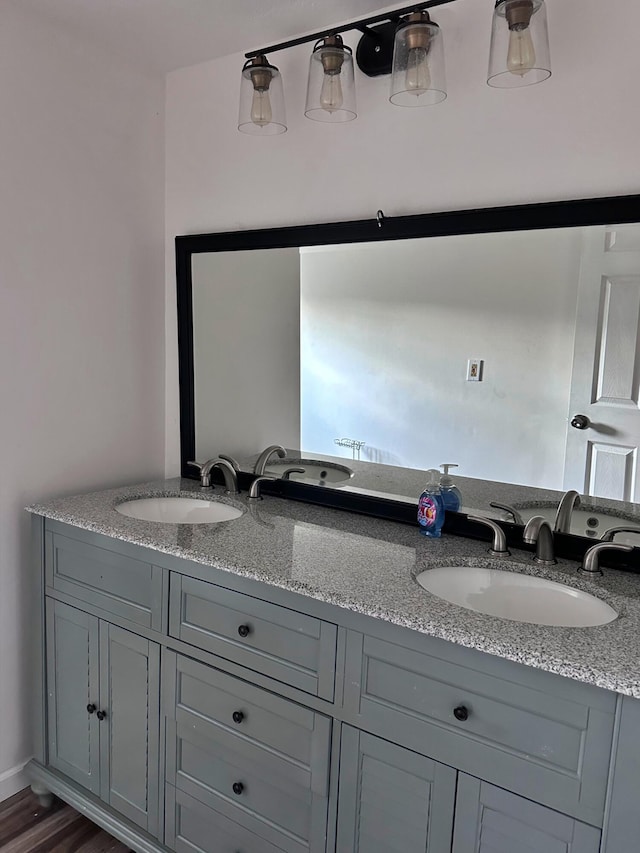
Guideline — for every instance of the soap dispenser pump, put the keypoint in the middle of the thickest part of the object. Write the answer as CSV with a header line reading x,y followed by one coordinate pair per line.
x,y
451,497
431,507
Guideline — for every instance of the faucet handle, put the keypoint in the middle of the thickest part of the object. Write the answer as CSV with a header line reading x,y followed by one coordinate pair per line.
x,y
287,474
517,518
499,546
193,464
591,564
254,491
609,534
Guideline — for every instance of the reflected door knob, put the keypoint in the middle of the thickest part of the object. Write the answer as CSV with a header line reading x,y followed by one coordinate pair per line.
x,y
580,422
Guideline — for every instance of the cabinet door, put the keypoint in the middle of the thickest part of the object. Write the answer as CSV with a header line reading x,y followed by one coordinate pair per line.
x,y
129,735
391,799
72,674
490,820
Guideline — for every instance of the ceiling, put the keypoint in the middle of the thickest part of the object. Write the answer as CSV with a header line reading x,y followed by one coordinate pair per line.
x,y
162,35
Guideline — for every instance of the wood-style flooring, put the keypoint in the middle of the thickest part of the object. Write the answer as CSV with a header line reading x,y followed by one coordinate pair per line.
x,y
25,827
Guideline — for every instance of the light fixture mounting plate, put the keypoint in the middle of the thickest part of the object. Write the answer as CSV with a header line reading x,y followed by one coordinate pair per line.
x,y
374,53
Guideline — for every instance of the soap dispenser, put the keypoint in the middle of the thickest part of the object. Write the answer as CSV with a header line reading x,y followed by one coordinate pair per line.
x,y
431,507
451,497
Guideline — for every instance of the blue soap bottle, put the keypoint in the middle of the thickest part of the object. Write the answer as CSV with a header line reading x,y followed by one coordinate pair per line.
x,y
431,507
451,497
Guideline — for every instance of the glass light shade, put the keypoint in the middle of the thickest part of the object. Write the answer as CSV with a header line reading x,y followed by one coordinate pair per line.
x,y
519,53
418,76
262,111
331,91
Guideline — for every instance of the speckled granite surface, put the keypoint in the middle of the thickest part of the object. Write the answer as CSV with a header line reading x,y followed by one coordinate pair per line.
x,y
369,566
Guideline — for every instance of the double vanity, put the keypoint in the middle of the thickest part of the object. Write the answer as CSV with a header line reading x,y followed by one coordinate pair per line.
x,y
269,675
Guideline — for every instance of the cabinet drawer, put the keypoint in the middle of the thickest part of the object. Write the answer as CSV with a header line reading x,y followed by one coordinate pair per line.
x,y
113,582
191,827
548,739
267,769
280,643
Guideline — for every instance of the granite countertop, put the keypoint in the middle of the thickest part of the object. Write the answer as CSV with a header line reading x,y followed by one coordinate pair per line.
x,y
369,565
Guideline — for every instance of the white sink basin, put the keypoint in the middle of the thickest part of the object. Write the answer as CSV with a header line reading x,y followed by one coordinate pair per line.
x,y
316,471
521,598
179,510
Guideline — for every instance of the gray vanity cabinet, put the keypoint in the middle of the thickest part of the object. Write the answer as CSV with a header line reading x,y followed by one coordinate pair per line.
x,y
103,710
392,800
490,820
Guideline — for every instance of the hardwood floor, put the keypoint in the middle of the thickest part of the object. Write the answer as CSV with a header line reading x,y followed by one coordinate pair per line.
x,y
25,827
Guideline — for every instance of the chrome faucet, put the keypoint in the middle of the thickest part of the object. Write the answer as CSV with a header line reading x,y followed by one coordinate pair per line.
x,y
591,564
229,474
538,532
499,546
568,502
230,460
608,535
517,518
287,474
254,491
205,471
261,462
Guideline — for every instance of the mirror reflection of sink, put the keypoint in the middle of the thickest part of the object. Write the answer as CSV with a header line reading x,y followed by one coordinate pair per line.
x,y
584,521
179,510
316,471
515,596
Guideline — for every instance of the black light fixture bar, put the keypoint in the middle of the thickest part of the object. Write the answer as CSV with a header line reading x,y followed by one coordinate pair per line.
x,y
354,25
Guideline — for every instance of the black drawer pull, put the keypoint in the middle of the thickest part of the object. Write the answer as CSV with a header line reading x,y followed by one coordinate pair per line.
x,y
238,717
91,708
461,713
238,788
101,715
244,630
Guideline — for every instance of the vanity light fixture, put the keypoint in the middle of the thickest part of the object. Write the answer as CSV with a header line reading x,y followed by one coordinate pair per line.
x,y
331,94
405,43
519,54
418,75
262,111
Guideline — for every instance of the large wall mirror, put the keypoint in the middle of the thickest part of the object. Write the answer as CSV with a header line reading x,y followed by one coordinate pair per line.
x,y
505,341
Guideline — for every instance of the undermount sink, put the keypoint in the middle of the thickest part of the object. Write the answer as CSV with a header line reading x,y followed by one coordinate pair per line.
x,y
516,596
179,510
585,522
316,471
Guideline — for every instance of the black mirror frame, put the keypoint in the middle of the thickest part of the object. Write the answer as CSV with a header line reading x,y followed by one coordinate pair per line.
x,y
559,214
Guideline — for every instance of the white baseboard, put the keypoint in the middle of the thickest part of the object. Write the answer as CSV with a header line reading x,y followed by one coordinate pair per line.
x,y
14,780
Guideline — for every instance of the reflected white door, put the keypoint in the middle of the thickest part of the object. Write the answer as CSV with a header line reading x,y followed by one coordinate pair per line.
x,y
603,459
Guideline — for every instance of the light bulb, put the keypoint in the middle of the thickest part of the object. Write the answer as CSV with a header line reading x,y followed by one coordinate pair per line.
x,y
261,107
331,97
522,55
417,78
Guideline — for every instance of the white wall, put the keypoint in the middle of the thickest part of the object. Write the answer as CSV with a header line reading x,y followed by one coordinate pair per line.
x,y
386,333
246,333
81,303
573,136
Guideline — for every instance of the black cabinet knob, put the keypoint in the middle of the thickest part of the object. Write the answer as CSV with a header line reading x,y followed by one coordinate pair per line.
x,y
91,708
238,788
238,716
461,713
244,630
101,715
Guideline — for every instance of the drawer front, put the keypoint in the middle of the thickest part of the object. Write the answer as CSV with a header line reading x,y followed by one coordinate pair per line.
x,y
267,768
120,585
280,643
550,742
191,827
